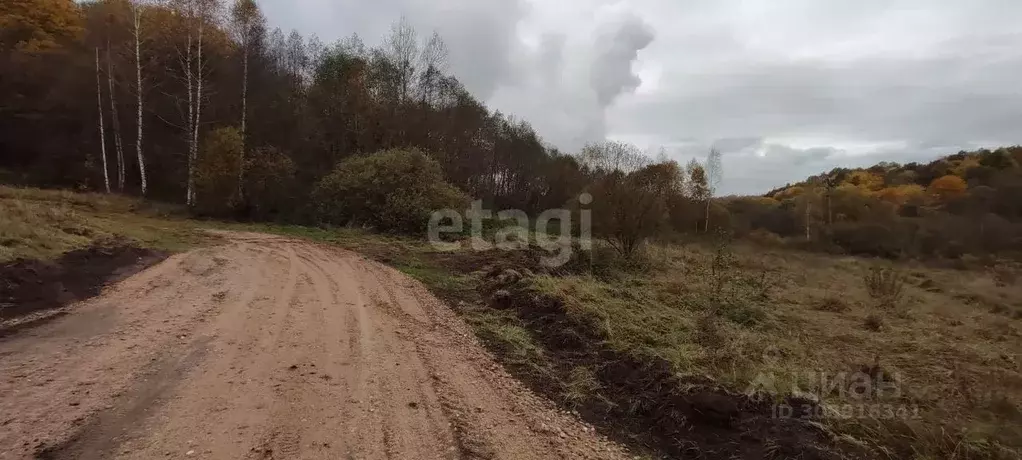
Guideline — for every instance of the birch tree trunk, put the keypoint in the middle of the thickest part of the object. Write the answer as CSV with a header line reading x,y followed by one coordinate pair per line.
x,y
706,224
137,13
244,96
116,118
198,106
244,114
102,131
190,193
809,210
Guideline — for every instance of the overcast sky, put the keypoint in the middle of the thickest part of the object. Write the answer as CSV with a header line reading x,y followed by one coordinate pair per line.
x,y
785,89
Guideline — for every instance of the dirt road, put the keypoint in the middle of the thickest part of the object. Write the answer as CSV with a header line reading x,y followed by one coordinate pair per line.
x,y
270,348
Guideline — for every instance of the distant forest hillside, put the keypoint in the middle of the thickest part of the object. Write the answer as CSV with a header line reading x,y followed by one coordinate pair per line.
x,y
966,202
200,102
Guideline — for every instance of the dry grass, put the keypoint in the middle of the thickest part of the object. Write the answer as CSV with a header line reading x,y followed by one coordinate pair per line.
x,y
42,224
951,338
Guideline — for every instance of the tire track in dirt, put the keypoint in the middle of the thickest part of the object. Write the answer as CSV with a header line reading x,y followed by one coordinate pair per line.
x,y
104,364
271,348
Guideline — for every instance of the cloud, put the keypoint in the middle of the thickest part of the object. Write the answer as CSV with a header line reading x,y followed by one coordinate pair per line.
x,y
481,34
784,89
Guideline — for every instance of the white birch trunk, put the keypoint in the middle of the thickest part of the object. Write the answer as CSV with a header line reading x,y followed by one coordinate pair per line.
x,y
244,95
118,145
190,198
706,225
138,74
102,131
244,112
198,100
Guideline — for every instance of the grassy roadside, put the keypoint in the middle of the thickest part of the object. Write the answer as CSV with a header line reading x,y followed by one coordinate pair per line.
x,y
690,352
43,224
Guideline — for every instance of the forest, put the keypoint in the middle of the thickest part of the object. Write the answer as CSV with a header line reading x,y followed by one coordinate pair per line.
x,y
200,102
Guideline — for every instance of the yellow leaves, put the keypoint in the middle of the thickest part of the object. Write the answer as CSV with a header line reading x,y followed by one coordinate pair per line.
x,y
901,194
865,180
947,187
788,193
761,200
961,167
37,26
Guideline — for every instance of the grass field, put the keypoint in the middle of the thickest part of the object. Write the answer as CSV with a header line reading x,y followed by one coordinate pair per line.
x,y
42,224
628,346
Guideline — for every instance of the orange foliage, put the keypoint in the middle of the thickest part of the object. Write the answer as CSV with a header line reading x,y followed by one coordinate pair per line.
x,y
38,25
865,180
948,186
900,194
790,192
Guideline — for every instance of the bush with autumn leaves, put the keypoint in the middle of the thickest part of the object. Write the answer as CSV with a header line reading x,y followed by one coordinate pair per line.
x,y
967,203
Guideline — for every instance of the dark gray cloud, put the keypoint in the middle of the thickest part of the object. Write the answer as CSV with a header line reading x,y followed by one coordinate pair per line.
x,y
783,89
617,46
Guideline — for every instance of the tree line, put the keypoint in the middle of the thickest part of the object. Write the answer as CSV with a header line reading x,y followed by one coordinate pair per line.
x,y
169,75
965,203
200,102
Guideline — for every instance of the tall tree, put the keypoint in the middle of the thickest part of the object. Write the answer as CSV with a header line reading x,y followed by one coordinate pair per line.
x,y
118,146
102,131
136,14
246,21
698,184
714,172
403,47
432,65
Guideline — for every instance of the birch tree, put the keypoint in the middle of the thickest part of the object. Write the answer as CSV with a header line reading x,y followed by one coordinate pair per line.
x,y
714,174
102,131
403,48
196,14
194,154
136,14
247,20
186,64
118,145
433,64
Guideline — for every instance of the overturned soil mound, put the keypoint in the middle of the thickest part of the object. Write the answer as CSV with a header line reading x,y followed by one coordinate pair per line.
x,y
29,286
642,400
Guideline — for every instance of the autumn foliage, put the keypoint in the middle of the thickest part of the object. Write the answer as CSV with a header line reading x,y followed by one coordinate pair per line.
x,y
963,203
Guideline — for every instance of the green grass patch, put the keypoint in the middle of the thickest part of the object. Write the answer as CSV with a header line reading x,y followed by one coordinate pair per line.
x,y
43,224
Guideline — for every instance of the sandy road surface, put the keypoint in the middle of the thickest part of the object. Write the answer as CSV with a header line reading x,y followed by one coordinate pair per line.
x,y
270,348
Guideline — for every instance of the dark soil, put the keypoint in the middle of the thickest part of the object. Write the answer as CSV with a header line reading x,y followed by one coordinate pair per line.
x,y
28,286
641,400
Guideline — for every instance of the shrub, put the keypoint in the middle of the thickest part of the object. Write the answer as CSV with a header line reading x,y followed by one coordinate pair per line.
x,y
873,239
874,322
833,304
269,184
217,171
630,208
765,237
884,285
393,191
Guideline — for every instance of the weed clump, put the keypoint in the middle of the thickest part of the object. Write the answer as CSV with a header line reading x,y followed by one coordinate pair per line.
x,y
832,304
874,322
884,285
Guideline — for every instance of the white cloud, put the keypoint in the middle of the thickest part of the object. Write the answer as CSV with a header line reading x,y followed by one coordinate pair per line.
x,y
786,89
